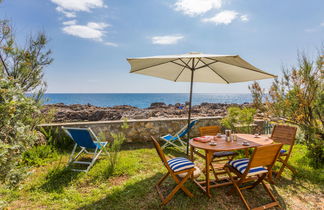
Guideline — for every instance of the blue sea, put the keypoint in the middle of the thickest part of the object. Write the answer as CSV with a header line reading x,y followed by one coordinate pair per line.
x,y
142,100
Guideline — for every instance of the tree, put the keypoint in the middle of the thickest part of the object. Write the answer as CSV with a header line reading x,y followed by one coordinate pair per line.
x,y
257,96
25,65
298,97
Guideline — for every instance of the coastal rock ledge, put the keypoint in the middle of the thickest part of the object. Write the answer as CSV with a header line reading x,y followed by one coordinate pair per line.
x,y
78,112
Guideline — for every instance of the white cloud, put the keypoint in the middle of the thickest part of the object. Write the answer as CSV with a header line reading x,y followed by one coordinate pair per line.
x,y
92,30
66,13
69,7
244,18
165,40
111,44
224,17
197,7
322,24
70,22
79,5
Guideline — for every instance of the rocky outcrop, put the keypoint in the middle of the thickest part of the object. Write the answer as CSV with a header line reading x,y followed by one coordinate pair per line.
x,y
78,112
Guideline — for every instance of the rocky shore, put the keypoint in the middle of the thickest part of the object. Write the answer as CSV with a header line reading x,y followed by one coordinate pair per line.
x,y
78,112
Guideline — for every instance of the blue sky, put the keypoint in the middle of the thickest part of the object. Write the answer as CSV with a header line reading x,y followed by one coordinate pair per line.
x,y
91,39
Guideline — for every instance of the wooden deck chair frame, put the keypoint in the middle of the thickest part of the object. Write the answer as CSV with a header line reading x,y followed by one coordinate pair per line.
x,y
177,137
286,135
179,181
262,156
213,131
97,151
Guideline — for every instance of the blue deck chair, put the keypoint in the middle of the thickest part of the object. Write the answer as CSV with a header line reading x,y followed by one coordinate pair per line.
x,y
87,140
171,139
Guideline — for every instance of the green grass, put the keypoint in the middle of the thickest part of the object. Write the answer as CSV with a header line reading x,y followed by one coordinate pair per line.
x,y
131,186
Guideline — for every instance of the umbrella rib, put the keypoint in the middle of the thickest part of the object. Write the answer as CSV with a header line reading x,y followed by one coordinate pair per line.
x,y
262,72
153,65
179,64
206,65
186,63
199,59
184,67
215,72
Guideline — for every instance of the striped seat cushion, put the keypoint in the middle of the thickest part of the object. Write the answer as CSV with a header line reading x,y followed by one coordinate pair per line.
x,y
241,164
224,154
180,164
283,151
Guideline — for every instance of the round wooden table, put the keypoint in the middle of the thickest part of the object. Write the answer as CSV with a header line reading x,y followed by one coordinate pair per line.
x,y
223,145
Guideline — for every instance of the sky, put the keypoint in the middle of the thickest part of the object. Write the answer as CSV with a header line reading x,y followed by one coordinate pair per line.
x,y
91,39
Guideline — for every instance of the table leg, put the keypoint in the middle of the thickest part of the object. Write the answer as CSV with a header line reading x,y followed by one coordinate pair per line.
x,y
192,158
208,158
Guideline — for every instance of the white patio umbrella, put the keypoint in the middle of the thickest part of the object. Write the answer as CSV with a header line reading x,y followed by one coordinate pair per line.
x,y
198,67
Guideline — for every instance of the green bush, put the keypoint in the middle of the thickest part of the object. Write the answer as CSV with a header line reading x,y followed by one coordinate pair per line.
x,y
39,155
19,116
239,120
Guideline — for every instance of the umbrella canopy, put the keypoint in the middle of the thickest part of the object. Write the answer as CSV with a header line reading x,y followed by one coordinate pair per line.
x,y
198,67
207,68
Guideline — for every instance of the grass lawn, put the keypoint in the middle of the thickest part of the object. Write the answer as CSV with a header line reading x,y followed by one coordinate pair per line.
x,y
131,186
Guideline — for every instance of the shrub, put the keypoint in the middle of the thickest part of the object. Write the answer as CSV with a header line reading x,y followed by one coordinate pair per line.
x,y
39,155
19,115
239,120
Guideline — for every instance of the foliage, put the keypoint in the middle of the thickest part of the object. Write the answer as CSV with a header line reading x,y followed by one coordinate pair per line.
x,y
114,148
239,120
57,138
257,96
39,155
19,115
24,64
298,98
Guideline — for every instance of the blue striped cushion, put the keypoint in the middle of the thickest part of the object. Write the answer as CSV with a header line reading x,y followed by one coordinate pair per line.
x,y
241,164
224,154
180,163
283,151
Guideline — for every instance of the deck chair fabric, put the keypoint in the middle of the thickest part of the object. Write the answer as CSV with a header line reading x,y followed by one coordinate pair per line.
x,y
170,140
86,140
255,169
286,135
180,169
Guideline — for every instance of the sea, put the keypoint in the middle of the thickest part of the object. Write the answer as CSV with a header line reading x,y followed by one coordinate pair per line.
x,y
143,100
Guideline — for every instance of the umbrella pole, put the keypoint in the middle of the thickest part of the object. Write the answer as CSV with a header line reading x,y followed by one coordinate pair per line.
x,y
190,100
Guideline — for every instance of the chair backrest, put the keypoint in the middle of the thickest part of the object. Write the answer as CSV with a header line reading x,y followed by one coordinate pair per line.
x,y
284,134
209,130
265,155
82,136
185,129
159,151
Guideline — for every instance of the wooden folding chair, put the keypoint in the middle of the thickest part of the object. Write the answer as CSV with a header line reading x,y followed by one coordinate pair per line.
x,y
176,166
260,165
218,157
286,135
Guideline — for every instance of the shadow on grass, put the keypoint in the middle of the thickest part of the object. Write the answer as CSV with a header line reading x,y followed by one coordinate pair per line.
x,y
141,194
58,179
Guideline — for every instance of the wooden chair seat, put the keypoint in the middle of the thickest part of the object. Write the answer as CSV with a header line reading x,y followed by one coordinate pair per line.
x,y
180,169
259,165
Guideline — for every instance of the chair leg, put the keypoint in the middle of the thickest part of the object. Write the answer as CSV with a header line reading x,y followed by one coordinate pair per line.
x,y
284,164
173,192
184,189
275,202
236,187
